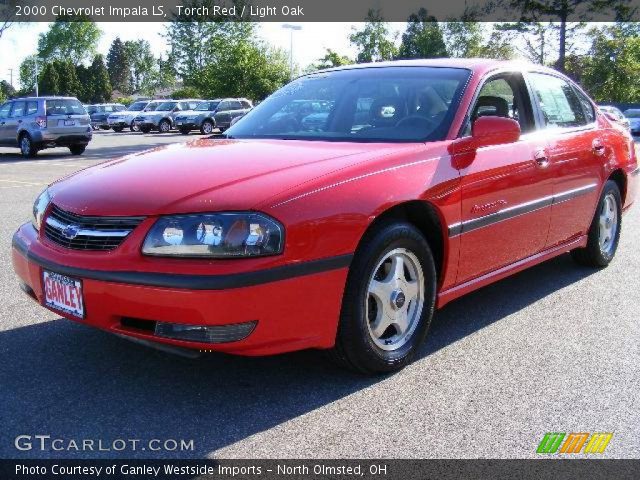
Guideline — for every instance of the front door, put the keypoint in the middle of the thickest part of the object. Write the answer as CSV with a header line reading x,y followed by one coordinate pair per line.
x,y
506,191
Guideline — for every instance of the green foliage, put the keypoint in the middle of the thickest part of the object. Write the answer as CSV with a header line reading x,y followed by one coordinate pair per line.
x,y
124,100
246,69
331,59
49,81
165,75
73,38
141,62
463,39
6,90
99,89
610,72
374,41
422,38
186,92
28,73
118,66
69,85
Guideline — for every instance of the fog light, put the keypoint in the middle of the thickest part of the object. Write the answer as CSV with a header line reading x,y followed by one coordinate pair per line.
x,y
205,333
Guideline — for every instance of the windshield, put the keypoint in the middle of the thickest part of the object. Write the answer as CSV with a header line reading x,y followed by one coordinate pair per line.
x,y
137,107
151,107
388,104
166,106
207,106
632,113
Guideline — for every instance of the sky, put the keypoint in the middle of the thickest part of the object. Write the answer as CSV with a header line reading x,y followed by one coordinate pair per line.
x,y
309,44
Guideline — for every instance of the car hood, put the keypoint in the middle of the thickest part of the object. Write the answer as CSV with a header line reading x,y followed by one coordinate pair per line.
x,y
187,113
152,114
206,175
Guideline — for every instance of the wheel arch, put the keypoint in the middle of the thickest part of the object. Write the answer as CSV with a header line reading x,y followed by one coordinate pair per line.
x,y
426,218
620,178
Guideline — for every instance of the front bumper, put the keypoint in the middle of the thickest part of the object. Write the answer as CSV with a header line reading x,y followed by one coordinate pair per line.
x,y
292,312
119,123
184,124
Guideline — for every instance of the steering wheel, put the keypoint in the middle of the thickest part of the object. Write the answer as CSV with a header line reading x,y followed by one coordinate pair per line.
x,y
417,121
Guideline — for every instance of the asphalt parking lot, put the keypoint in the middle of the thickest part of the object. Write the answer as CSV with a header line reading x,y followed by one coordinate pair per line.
x,y
553,349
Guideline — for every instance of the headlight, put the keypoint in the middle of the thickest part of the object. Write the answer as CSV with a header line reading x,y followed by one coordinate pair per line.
x,y
39,207
220,235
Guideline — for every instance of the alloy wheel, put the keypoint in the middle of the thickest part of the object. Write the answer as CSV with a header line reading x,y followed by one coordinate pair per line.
x,y
395,299
608,223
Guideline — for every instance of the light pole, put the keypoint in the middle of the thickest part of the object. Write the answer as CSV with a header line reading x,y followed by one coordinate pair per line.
x,y
291,28
36,62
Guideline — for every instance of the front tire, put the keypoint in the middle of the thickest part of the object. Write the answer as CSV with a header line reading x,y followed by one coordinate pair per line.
x,y
164,126
28,149
388,302
604,233
207,127
133,127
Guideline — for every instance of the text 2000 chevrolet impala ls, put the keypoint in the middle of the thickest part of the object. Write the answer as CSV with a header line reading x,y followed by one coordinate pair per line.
x,y
419,182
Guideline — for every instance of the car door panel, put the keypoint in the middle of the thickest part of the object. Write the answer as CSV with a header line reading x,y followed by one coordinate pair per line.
x,y
5,136
506,191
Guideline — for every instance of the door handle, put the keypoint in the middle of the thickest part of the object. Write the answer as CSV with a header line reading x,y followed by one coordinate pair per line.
x,y
541,158
597,147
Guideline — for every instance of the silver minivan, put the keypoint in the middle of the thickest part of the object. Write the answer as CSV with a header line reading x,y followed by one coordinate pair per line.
x,y
36,123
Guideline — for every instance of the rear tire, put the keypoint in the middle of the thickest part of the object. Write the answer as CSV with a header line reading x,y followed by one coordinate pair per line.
x,y
207,127
28,148
388,302
134,128
604,234
77,149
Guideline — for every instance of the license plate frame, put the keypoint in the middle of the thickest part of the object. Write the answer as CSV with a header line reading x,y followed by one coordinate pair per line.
x,y
69,123
75,306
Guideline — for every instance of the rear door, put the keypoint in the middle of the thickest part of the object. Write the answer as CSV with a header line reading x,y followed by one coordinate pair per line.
x,y
506,193
66,116
15,120
5,136
575,150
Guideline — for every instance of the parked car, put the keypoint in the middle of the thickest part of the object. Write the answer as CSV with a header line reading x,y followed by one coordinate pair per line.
x,y
120,120
212,114
633,115
162,118
36,123
347,238
616,115
100,112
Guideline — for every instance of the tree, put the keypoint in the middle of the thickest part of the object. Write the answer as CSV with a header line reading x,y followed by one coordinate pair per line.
x,y
463,39
165,75
85,91
560,12
48,82
99,88
331,59
69,84
73,38
374,41
614,55
118,66
422,38
28,73
141,62
6,90
199,40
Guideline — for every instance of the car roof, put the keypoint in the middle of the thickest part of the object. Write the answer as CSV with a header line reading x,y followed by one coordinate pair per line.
x,y
476,65
45,97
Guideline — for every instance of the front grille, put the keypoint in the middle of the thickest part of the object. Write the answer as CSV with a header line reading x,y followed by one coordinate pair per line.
x,y
87,232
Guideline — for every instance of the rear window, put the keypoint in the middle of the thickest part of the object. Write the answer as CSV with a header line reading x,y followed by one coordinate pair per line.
x,y
137,107
32,108
632,113
64,106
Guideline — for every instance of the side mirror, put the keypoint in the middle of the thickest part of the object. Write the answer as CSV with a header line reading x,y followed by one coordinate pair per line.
x,y
611,116
487,131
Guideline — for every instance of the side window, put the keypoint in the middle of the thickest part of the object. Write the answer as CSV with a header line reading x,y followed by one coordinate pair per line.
x,y
245,104
18,109
235,105
32,108
587,106
503,96
558,101
224,106
4,110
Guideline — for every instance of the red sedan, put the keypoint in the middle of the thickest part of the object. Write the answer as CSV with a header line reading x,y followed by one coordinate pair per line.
x,y
338,214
